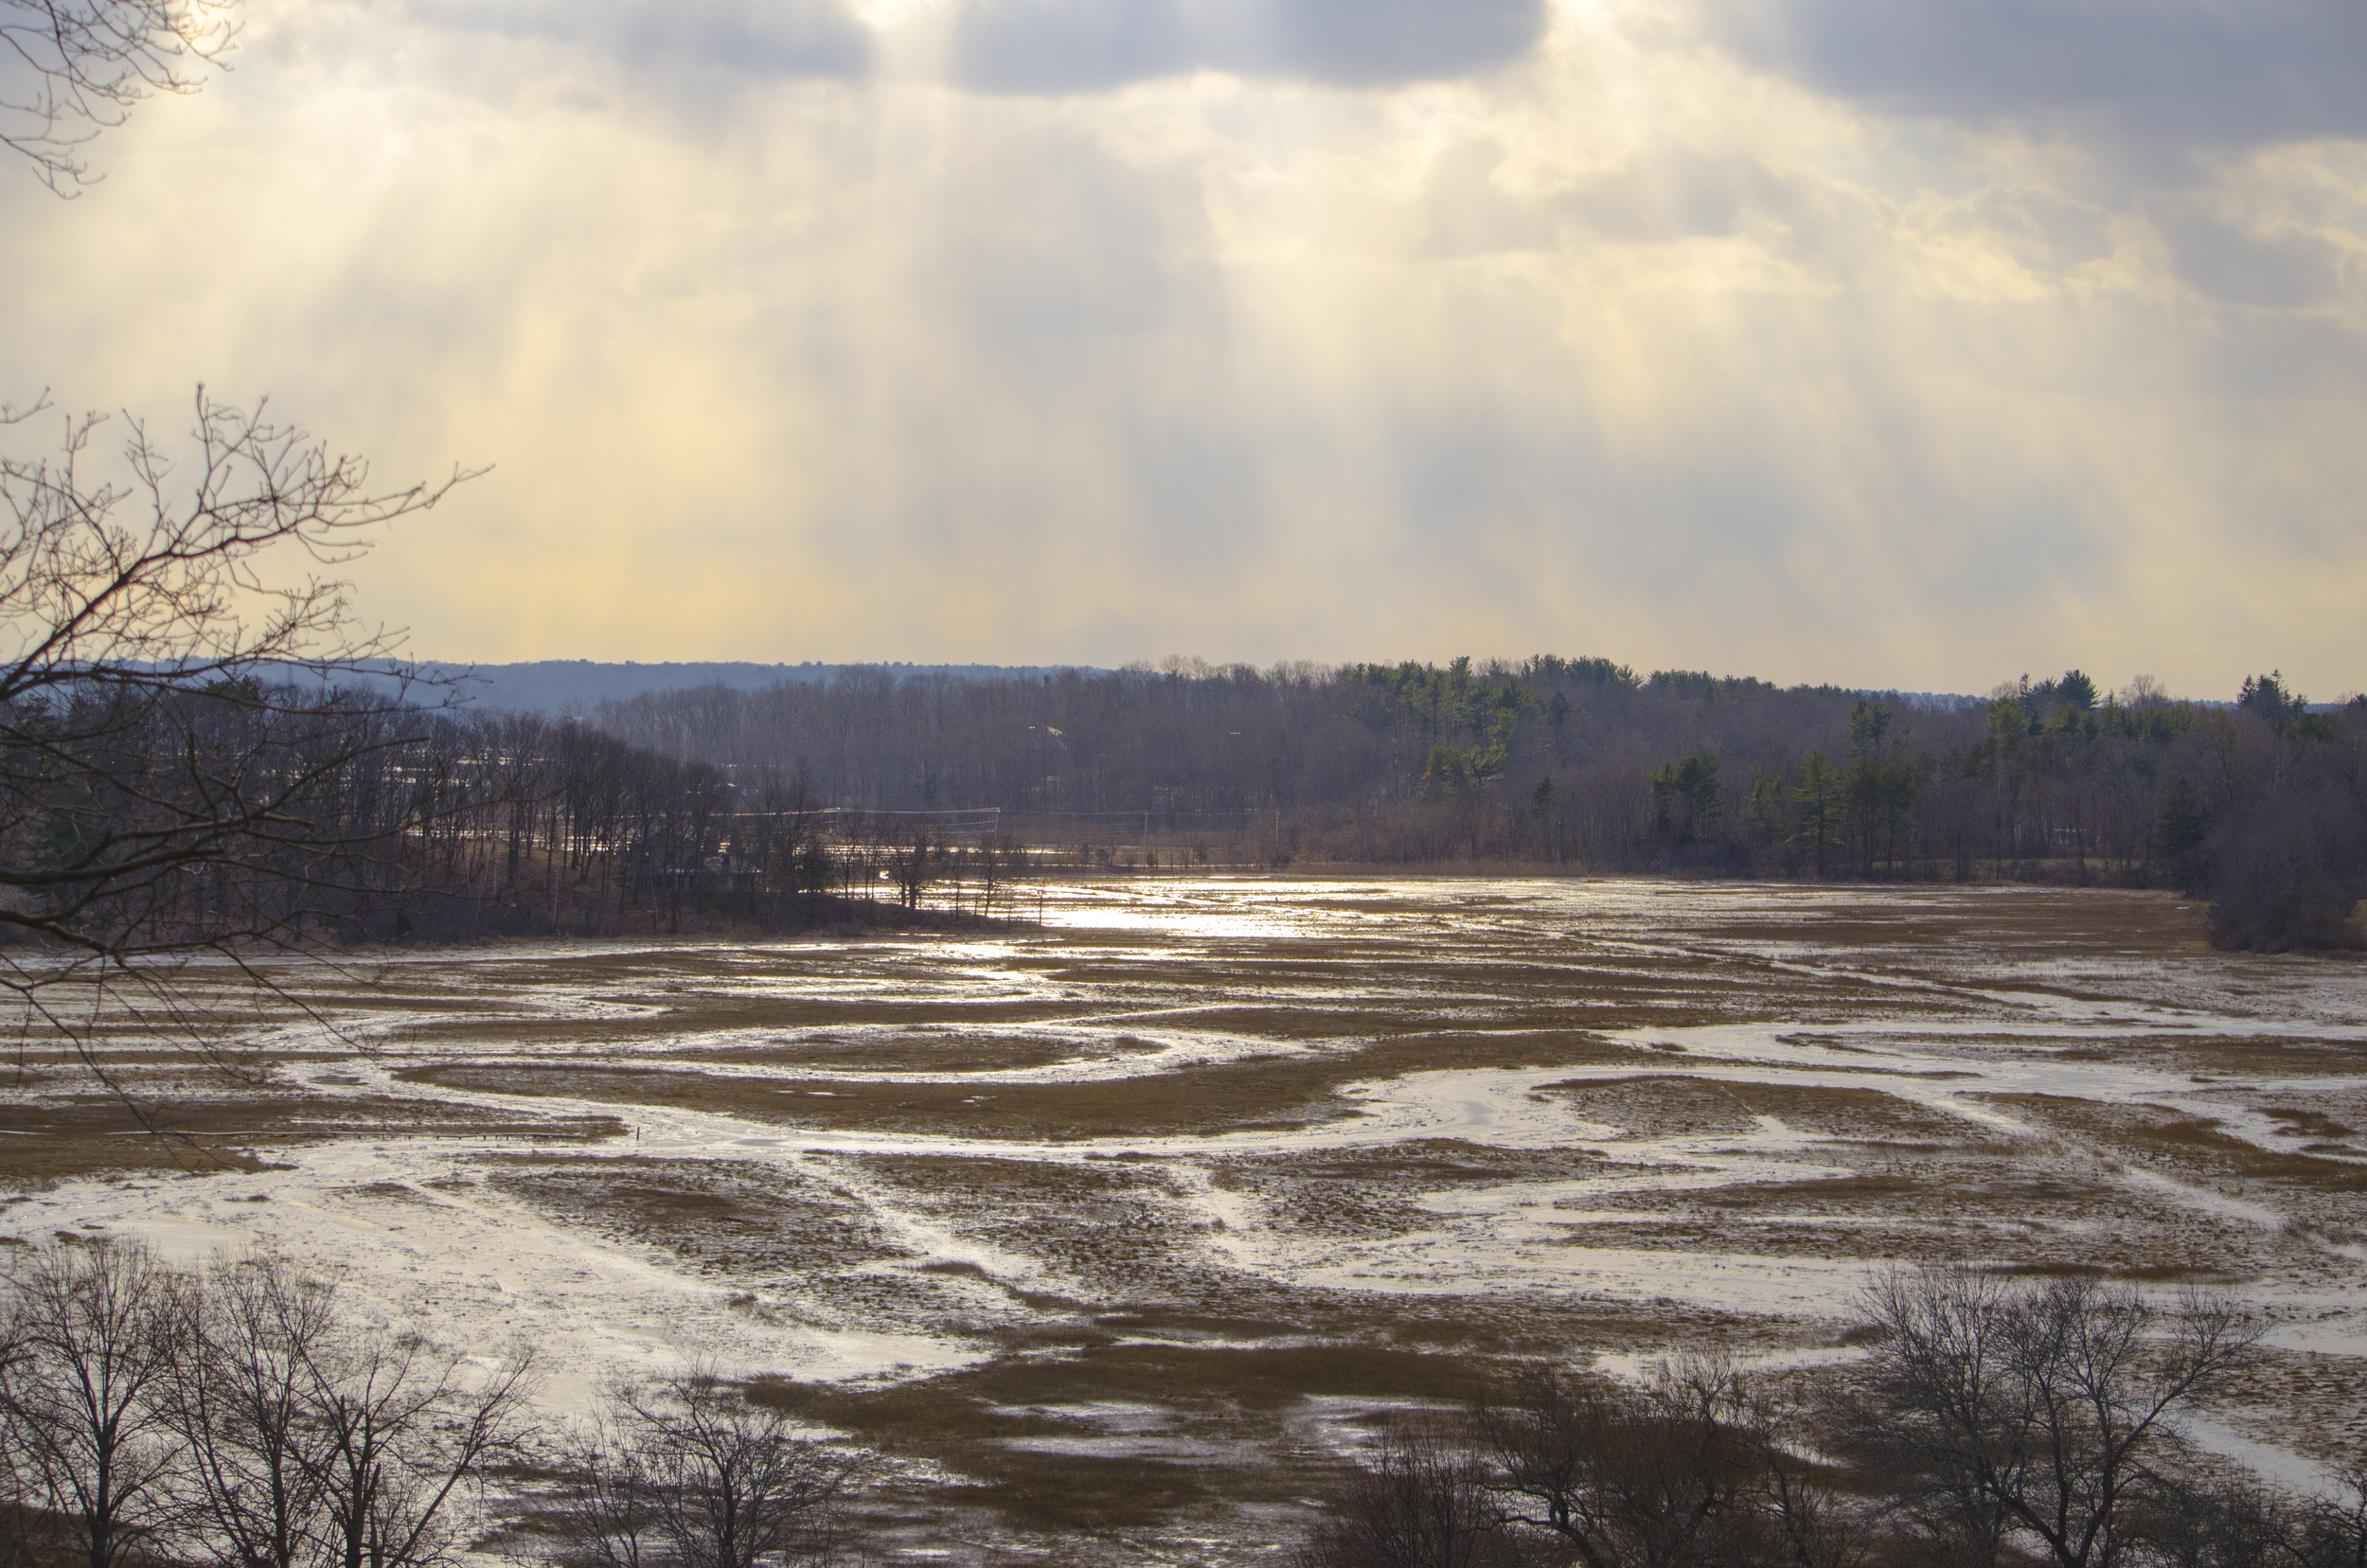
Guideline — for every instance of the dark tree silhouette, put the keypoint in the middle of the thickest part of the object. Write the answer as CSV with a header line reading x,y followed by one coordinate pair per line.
x,y
180,770
95,1328
2039,1409
690,1473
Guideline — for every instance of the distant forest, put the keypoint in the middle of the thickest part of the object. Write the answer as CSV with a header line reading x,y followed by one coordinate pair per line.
x,y
150,812
1574,763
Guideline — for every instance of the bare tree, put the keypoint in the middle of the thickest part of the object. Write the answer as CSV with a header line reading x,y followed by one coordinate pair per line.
x,y
26,1537
913,862
1787,1512
2237,1522
243,1400
2051,1403
607,1512
1696,1467
96,1327
174,773
179,769
234,1417
1625,1477
402,1430
690,1473
2324,1532
76,67
1422,1503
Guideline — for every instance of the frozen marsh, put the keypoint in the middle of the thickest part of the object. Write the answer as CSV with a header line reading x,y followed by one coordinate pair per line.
x,y
1128,1224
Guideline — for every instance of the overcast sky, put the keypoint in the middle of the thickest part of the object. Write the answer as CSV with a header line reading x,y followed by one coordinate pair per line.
x,y
1890,342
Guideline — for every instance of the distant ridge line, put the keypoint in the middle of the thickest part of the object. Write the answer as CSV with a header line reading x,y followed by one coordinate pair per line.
x,y
557,686
552,686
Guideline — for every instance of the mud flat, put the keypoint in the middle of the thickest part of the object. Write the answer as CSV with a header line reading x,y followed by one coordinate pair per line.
x,y
1114,1237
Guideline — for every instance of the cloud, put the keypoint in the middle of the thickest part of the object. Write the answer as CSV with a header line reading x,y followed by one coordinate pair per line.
x,y
1656,194
1055,46
783,39
1636,348
2197,73
2225,262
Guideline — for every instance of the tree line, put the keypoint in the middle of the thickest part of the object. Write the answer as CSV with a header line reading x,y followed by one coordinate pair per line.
x,y
146,821
146,813
2259,804
527,824
246,1414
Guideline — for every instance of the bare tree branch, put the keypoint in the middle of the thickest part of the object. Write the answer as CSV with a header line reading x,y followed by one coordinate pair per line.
x,y
72,69
191,769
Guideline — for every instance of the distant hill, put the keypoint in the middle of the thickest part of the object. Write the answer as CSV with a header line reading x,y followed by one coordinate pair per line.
x,y
552,686
556,686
